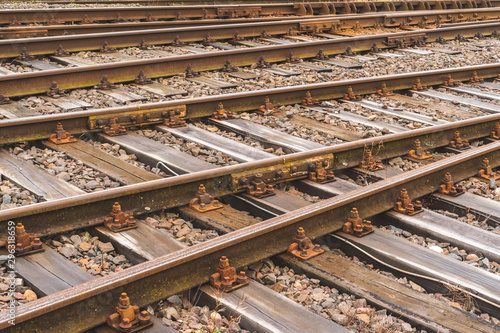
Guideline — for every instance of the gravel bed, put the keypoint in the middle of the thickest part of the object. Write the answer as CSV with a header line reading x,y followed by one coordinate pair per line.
x,y
22,294
346,310
476,186
191,148
375,115
366,131
450,104
471,258
283,124
180,314
398,105
472,220
18,68
63,167
181,230
96,57
403,164
290,189
453,297
89,253
238,138
116,151
12,196
469,96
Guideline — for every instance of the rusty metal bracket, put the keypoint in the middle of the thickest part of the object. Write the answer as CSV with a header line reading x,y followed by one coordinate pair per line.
x,y
190,72
406,206
258,188
302,247
118,220
486,172
418,152
495,134
357,226
105,84
142,78
4,99
418,85
113,128
26,243
308,100
267,107
106,48
204,202
60,52
221,113
475,79
225,277
457,142
447,187
229,68
170,116
54,91
405,40
127,318
370,163
61,136
351,96
384,92
279,172
238,12
448,81
318,173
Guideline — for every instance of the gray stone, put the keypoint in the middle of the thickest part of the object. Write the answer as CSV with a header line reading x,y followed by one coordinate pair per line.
x,y
92,185
68,251
328,303
105,247
175,300
455,256
339,318
84,247
406,233
6,199
56,243
76,239
360,303
119,260
269,279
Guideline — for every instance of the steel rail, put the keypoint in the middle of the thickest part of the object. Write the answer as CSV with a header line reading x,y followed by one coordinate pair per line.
x,y
85,42
22,31
79,77
106,14
189,2
86,305
90,209
41,127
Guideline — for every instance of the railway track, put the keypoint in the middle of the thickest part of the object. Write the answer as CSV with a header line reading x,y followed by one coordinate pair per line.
x,y
277,140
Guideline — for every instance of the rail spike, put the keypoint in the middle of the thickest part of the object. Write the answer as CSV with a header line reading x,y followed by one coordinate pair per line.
x,y
54,91
173,119
60,52
26,243
458,143
119,221
495,134
302,247
308,100
370,163
113,128
220,113
447,187
204,202
128,318
225,277
142,78
486,172
61,136
318,173
4,99
351,96
357,226
190,72
406,206
418,152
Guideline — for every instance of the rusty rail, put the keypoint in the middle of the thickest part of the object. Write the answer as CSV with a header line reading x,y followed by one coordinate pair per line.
x,y
49,45
41,127
159,278
119,14
70,78
90,209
